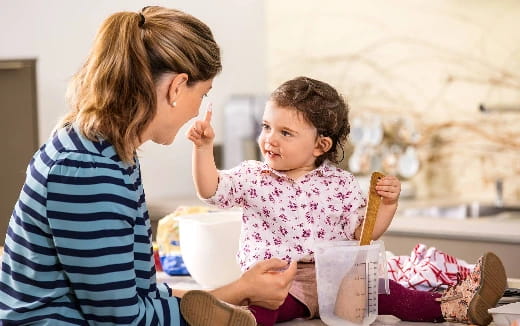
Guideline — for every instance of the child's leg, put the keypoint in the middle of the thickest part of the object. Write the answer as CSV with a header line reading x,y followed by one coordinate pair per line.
x,y
290,309
466,302
264,316
410,305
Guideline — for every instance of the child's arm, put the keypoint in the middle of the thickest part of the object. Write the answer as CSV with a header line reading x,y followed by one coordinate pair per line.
x,y
205,174
389,188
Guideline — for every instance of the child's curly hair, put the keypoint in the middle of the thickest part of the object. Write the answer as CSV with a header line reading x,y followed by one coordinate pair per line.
x,y
322,106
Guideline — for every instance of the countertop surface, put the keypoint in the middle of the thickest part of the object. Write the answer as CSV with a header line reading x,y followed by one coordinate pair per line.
x,y
187,283
503,227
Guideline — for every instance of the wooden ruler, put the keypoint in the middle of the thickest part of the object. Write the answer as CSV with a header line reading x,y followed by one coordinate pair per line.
x,y
372,207
352,299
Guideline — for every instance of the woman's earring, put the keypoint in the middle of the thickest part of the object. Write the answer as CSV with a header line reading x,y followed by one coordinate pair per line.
x,y
174,104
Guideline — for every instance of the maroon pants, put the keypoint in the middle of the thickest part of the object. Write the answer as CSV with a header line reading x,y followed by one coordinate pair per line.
x,y
405,304
290,309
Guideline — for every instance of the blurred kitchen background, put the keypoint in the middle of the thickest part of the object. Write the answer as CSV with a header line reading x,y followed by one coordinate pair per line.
x,y
433,86
419,70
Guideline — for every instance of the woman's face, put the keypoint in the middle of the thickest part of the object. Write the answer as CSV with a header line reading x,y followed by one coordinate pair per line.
x,y
169,119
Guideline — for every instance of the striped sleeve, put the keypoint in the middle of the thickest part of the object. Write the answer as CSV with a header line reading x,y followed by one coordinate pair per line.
x,y
91,211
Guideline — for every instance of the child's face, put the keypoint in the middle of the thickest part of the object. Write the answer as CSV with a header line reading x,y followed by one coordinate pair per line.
x,y
288,142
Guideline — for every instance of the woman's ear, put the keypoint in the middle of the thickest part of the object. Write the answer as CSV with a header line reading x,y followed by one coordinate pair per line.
x,y
176,85
323,145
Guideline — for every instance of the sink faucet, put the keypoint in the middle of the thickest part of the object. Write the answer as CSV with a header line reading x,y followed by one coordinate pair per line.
x,y
499,187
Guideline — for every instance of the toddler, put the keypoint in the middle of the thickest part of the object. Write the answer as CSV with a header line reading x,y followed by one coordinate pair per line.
x,y
297,195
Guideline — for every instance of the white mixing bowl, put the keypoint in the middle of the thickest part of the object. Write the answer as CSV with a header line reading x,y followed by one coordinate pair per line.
x,y
209,243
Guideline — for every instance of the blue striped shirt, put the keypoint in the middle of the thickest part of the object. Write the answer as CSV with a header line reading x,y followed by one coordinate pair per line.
x,y
78,246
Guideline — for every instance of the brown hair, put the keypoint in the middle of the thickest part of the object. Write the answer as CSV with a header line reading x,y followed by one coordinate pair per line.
x,y
321,105
113,95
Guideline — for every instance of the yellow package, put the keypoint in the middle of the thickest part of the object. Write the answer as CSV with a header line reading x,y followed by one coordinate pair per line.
x,y
168,229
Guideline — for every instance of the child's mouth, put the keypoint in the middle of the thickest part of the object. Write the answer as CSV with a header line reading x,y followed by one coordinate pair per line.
x,y
271,154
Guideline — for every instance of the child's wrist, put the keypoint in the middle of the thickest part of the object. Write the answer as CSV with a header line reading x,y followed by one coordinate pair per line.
x,y
389,202
205,147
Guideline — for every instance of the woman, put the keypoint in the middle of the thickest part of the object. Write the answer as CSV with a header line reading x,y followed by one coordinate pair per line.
x,y
78,248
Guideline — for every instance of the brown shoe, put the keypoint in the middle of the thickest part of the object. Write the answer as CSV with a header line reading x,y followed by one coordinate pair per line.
x,y
200,308
469,301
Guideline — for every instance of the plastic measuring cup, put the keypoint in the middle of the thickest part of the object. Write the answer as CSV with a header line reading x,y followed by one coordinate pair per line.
x,y
348,277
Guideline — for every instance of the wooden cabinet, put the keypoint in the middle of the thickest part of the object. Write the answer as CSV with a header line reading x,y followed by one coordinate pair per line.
x,y
18,131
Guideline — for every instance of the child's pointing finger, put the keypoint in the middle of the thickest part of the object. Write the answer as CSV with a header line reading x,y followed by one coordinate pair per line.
x,y
209,113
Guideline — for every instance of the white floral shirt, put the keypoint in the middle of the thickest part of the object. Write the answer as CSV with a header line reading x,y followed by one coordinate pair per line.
x,y
283,217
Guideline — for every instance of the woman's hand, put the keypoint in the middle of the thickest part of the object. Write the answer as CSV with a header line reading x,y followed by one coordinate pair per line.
x,y
269,282
389,188
201,133
266,284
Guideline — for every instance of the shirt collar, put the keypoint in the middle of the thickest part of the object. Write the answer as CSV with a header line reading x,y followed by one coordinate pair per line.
x,y
326,169
100,146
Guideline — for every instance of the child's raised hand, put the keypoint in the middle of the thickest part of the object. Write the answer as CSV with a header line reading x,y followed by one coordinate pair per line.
x,y
389,188
201,133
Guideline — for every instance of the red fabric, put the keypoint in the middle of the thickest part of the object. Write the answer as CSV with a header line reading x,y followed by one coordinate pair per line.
x,y
427,269
289,310
410,305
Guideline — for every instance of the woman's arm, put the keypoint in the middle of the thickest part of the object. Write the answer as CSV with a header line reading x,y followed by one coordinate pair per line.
x,y
266,284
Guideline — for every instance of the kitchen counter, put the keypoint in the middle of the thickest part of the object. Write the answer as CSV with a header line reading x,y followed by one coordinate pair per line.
x,y
467,239
382,320
187,283
503,228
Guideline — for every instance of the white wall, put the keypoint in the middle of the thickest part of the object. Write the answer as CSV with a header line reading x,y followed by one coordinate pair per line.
x,y
59,33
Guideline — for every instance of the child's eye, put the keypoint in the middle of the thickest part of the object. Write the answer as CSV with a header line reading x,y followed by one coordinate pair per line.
x,y
285,133
265,126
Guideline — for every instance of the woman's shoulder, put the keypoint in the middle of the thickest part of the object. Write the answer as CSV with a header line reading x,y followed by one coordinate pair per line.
x,y
67,152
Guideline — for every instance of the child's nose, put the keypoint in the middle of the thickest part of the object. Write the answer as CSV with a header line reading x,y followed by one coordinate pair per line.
x,y
271,139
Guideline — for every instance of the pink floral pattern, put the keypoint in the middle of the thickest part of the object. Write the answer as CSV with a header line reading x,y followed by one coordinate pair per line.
x,y
283,217
456,300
